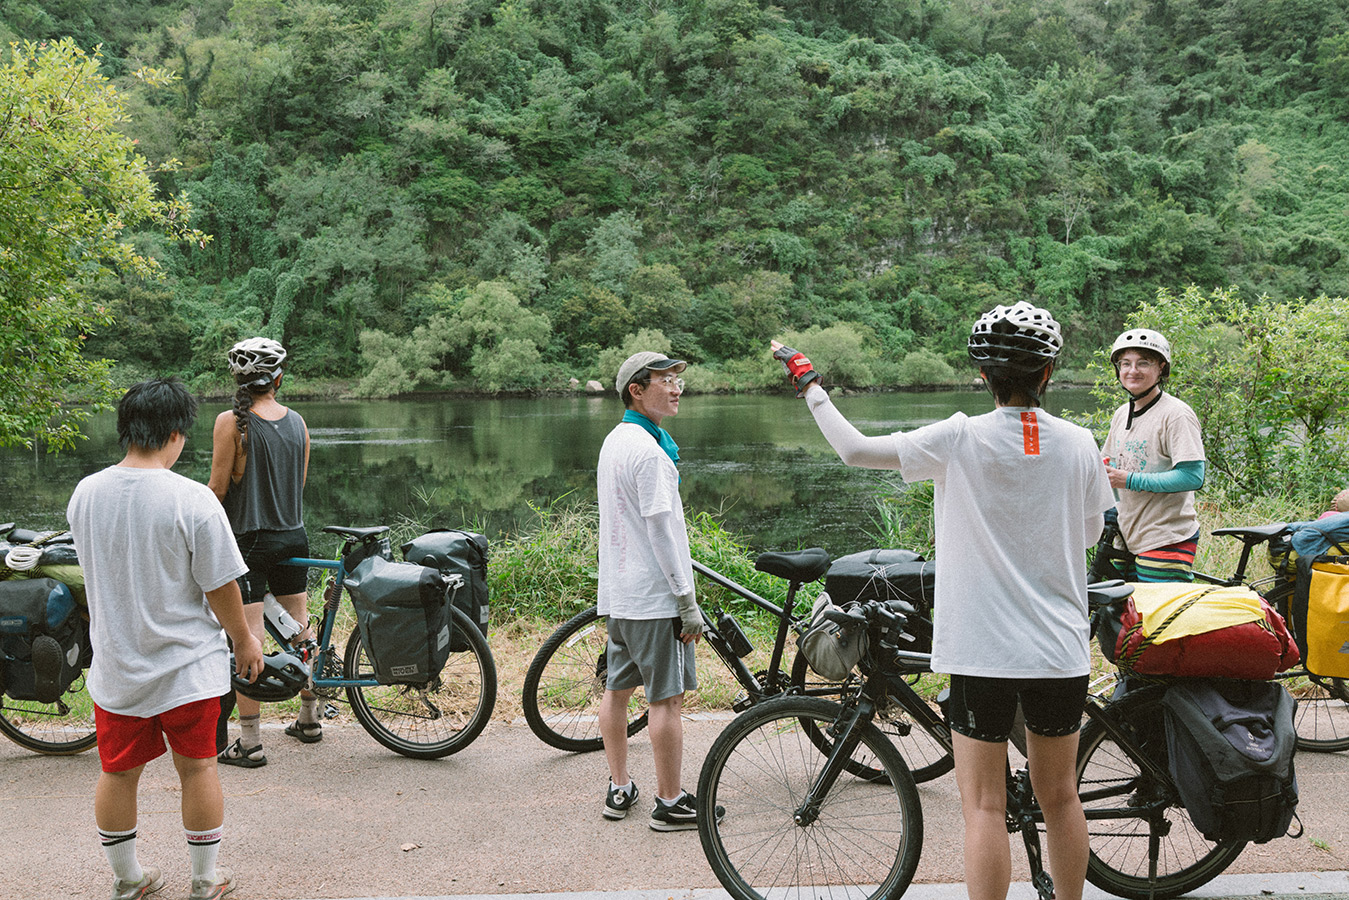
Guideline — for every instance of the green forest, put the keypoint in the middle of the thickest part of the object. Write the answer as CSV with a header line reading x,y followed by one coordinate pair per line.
x,y
482,195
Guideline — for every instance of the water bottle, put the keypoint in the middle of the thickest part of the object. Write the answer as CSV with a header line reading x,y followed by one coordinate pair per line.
x,y
280,619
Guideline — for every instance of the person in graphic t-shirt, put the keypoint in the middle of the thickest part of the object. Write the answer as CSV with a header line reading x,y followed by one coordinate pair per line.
x,y
1155,461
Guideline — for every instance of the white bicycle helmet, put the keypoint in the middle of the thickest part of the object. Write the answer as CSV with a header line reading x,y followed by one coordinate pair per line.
x,y
1020,336
258,355
1141,339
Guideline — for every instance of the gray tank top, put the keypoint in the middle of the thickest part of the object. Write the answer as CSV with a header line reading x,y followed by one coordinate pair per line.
x,y
267,498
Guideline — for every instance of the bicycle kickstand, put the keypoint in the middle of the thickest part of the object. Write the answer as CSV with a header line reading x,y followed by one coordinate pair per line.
x,y
1021,820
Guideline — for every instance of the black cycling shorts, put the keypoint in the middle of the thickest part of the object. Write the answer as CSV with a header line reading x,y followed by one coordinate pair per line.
x,y
985,708
263,551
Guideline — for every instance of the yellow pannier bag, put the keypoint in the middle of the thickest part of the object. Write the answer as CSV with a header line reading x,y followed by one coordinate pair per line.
x,y
1321,615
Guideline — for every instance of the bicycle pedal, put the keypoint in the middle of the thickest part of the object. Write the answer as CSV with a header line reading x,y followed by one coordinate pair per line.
x,y
741,703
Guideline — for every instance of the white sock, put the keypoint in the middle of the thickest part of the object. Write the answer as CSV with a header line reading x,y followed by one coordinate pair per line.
x,y
674,801
250,731
203,848
120,848
625,788
308,710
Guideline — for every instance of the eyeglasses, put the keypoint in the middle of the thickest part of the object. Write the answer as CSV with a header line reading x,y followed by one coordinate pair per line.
x,y
673,381
1141,365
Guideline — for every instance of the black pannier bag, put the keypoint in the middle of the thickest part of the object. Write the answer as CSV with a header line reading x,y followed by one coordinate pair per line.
x,y
403,611
44,639
1230,751
453,552
887,575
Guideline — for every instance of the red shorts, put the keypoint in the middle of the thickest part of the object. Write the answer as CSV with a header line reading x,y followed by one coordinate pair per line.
x,y
125,742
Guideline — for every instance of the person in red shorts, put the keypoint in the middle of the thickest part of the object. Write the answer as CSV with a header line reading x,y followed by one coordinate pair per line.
x,y
160,564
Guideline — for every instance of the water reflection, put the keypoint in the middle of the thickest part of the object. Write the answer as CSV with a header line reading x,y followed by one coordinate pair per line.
x,y
758,462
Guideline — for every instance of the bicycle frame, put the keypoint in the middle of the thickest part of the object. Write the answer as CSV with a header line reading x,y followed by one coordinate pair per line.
x,y
327,653
754,690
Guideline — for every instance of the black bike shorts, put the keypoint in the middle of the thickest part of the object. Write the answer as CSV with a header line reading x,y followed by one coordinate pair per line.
x,y
263,552
985,708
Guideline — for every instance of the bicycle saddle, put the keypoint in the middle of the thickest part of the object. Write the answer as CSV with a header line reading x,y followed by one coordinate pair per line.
x,y
358,534
794,565
1255,534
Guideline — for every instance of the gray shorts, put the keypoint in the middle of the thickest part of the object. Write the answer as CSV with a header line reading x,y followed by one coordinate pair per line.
x,y
646,653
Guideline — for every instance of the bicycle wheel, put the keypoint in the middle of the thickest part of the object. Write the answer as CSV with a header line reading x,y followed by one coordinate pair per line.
x,y
1117,795
924,754
1322,717
432,721
863,843
63,728
565,684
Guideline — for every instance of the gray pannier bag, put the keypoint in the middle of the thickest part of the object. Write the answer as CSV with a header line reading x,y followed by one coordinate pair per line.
x,y
403,612
453,552
1230,750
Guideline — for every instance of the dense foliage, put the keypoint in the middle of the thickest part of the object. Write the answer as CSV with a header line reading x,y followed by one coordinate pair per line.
x,y
483,194
69,182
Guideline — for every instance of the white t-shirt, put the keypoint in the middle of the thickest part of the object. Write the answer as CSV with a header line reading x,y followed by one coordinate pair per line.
x,y
639,503
1018,500
1166,434
151,543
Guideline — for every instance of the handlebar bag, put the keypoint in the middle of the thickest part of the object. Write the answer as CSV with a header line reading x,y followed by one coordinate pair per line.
x,y
888,575
44,639
463,553
1320,614
1202,632
831,649
403,612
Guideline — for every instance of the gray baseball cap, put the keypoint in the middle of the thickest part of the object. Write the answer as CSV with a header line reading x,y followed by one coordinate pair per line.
x,y
637,363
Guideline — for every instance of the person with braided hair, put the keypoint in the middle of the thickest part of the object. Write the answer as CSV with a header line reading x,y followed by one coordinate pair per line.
x,y
259,460
1019,496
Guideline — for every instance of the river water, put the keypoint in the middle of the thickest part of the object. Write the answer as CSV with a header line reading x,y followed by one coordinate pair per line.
x,y
757,462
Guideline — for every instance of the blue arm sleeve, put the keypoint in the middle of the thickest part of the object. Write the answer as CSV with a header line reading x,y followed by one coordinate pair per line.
x,y
1186,476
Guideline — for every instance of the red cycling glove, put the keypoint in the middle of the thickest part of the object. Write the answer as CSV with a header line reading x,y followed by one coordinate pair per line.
x,y
798,369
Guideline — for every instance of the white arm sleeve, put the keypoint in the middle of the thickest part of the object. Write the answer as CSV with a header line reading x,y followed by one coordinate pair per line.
x,y
853,447
660,530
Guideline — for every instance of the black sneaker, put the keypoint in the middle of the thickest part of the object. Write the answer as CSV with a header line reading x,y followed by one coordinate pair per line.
x,y
682,815
617,802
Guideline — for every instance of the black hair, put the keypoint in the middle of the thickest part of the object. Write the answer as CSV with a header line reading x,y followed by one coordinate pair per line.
x,y
1006,383
644,380
251,386
151,411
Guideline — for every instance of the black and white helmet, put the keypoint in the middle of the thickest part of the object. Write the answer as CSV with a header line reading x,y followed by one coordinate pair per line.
x,y
283,676
1020,336
256,356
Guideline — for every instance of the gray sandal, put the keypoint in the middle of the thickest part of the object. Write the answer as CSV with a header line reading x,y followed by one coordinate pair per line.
x,y
305,732
236,755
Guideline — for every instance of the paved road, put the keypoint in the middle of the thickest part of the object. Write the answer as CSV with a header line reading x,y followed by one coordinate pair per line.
x,y
506,817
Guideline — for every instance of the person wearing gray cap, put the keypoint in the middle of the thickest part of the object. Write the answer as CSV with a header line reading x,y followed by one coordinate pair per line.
x,y
646,589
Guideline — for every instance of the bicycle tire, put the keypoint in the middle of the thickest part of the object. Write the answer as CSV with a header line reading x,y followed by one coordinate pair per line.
x,y
923,754
1109,779
865,841
54,729
565,684
441,719
1322,717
